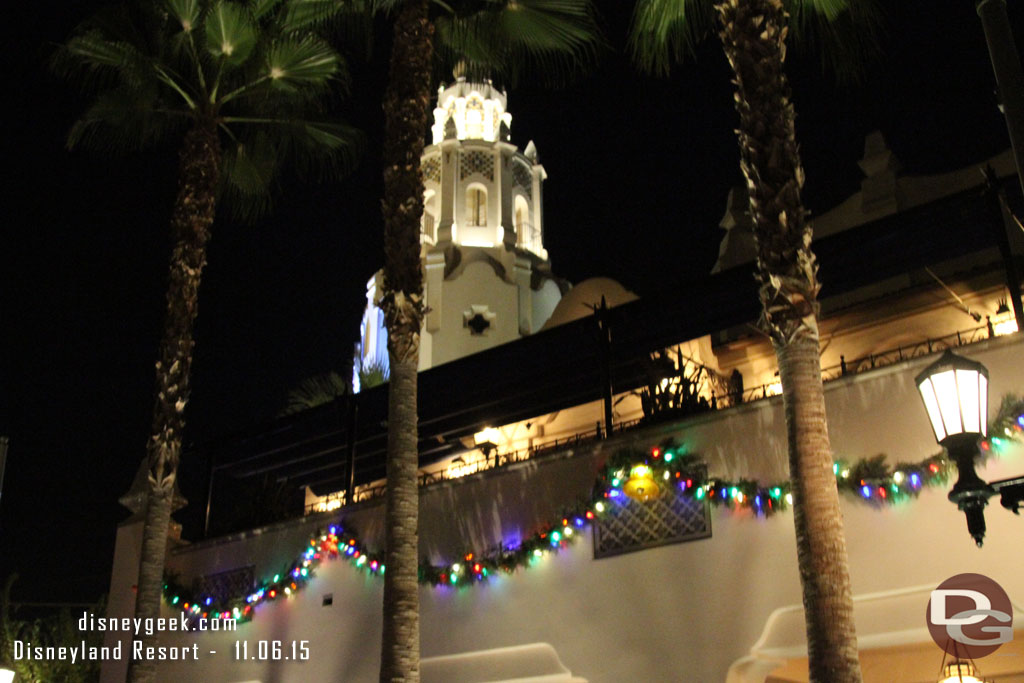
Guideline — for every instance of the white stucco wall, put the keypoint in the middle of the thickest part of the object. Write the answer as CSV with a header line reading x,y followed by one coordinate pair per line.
x,y
682,612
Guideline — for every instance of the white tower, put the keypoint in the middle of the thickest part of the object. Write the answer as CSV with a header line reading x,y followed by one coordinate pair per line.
x,y
487,279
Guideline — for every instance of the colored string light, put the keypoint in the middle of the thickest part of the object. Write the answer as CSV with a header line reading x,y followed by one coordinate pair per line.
x,y
867,477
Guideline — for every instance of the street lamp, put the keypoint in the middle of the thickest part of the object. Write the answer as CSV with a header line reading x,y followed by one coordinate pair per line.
x,y
6,673
959,671
955,394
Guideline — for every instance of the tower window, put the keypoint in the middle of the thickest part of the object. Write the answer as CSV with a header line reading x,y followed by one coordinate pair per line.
x,y
476,206
523,227
474,118
428,225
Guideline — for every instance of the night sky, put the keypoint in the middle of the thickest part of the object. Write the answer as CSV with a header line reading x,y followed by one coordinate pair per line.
x,y
638,168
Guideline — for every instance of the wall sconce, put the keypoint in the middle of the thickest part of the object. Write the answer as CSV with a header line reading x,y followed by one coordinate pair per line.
x,y
487,440
1003,322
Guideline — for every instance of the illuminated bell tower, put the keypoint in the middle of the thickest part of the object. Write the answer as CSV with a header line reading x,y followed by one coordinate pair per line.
x,y
487,278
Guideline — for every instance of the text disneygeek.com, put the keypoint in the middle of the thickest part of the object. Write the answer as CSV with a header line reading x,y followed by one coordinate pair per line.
x,y
138,650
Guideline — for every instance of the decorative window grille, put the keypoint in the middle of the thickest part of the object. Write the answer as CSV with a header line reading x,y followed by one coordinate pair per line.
x,y
631,525
431,168
477,162
224,585
522,177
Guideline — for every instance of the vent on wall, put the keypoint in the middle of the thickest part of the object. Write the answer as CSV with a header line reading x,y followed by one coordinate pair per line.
x,y
222,585
631,525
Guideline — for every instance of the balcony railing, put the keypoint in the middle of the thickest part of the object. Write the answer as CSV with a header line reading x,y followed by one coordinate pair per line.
x,y
718,402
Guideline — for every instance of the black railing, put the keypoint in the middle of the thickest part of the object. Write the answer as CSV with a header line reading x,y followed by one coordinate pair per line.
x,y
907,352
750,395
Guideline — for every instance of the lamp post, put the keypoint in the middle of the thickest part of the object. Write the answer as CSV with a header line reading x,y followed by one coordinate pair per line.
x,y
955,394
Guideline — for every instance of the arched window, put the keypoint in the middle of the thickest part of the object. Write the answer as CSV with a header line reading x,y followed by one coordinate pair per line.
x,y
474,118
523,227
476,206
429,224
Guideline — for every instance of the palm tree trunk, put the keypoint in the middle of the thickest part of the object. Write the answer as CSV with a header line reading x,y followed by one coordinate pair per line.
x,y
400,654
190,226
406,111
753,34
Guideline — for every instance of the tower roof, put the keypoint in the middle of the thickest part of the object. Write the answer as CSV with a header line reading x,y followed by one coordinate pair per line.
x,y
477,109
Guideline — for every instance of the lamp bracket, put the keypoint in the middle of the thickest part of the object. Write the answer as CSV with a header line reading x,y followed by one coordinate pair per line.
x,y
1011,493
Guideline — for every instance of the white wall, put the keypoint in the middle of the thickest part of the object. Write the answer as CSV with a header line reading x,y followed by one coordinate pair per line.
x,y
477,284
683,612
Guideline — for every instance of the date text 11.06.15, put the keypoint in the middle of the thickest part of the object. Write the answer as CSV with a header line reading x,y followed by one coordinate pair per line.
x,y
272,650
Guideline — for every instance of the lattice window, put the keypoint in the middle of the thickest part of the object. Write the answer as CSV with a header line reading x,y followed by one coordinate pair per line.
x,y
522,177
431,168
477,162
224,585
631,525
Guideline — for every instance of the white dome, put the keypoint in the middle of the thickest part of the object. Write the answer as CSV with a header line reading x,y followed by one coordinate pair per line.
x,y
579,301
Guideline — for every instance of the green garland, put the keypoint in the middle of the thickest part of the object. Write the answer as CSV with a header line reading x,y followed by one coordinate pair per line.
x,y
870,480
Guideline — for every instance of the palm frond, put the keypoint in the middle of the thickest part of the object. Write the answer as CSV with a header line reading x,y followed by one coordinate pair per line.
x,y
261,8
263,86
386,7
845,35
185,13
247,174
347,23
829,10
316,391
94,50
552,39
125,120
310,14
308,62
373,374
315,150
230,32
666,32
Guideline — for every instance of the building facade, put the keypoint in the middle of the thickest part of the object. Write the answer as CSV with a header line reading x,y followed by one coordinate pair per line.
x,y
687,586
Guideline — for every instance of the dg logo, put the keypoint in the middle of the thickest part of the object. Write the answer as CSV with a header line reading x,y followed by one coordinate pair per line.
x,y
970,615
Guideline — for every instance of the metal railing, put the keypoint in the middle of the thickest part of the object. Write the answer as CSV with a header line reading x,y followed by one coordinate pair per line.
x,y
718,402
907,352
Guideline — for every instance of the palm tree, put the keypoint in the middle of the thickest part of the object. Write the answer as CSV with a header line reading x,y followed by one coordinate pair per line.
x,y
55,630
753,34
496,37
234,84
